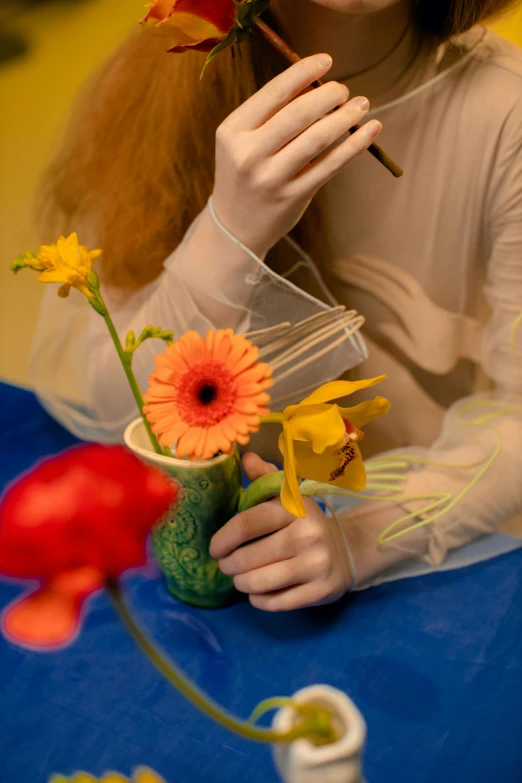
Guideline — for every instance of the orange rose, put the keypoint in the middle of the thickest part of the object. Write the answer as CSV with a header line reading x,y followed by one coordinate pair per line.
x,y
194,24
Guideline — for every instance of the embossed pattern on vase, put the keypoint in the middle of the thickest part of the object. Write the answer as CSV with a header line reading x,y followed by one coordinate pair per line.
x,y
210,497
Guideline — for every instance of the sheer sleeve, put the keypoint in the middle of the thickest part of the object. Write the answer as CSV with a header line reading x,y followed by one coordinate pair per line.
x,y
211,280
469,483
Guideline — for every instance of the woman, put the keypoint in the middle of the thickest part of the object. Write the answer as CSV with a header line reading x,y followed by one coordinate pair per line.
x,y
432,261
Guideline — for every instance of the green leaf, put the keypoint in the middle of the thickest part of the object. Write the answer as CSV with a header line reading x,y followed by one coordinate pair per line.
x,y
93,281
222,45
248,10
246,15
98,306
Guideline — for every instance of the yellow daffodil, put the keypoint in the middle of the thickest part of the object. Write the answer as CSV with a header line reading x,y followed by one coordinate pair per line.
x,y
66,262
141,775
319,439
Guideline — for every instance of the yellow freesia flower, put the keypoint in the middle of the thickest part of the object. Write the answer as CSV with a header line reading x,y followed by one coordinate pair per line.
x,y
67,262
319,440
141,775
27,260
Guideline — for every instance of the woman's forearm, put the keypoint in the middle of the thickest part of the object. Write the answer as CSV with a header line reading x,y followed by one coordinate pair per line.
x,y
218,272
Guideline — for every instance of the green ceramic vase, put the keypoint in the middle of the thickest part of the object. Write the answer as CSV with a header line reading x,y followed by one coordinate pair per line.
x,y
210,494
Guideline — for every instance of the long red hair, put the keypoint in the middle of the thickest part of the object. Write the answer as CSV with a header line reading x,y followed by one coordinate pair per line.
x,y
137,163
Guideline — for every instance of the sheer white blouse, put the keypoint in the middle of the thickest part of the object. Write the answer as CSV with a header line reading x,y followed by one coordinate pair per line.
x,y
433,262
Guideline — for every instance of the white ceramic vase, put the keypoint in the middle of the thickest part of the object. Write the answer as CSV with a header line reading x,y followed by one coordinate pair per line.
x,y
340,762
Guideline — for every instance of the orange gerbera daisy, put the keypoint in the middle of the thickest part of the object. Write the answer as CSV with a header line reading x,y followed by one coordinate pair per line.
x,y
207,393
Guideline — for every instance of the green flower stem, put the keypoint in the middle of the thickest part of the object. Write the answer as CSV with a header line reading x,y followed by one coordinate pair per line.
x,y
269,486
262,489
312,726
126,360
273,418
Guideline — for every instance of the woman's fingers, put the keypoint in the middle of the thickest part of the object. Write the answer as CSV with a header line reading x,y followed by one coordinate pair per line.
x,y
278,546
278,92
314,141
296,597
255,467
299,115
273,577
320,171
249,525
300,564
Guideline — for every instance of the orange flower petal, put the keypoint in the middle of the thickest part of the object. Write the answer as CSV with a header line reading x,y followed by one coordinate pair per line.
x,y
161,9
239,423
227,428
212,441
245,388
172,360
210,340
246,405
48,617
167,374
191,347
259,399
161,374
240,347
223,345
203,448
163,414
246,361
224,444
192,22
174,405
258,372
160,392
173,434
187,442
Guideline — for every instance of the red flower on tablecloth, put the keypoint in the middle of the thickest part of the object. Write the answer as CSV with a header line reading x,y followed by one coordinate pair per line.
x,y
72,523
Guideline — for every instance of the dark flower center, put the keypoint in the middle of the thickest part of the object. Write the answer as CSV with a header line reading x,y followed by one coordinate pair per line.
x,y
207,394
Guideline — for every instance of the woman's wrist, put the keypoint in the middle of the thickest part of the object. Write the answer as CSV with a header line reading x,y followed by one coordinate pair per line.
x,y
349,559
361,528
249,234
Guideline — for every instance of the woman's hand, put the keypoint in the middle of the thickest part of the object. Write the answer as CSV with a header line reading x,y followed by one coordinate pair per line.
x,y
283,563
275,152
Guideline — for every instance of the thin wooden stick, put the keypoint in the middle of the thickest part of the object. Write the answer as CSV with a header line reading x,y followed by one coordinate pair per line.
x,y
270,36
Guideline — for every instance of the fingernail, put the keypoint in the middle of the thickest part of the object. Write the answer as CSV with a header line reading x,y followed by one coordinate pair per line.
x,y
324,60
373,127
362,103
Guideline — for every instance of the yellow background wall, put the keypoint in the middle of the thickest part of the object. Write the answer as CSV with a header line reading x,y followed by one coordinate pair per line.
x,y
35,95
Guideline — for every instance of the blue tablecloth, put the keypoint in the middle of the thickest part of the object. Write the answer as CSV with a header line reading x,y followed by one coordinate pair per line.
x,y
434,663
